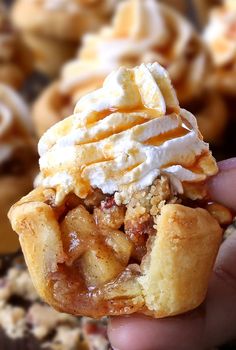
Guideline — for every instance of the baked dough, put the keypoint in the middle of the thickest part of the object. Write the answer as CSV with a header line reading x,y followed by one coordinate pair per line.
x,y
172,279
15,57
53,29
220,38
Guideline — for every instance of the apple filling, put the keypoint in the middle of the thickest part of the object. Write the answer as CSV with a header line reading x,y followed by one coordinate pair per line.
x,y
106,247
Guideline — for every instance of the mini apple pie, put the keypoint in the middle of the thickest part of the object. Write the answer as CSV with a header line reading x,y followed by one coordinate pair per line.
x,y
17,160
52,29
220,37
142,31
15,57
120,221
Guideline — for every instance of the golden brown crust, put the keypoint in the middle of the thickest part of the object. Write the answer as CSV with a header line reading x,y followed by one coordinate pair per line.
x,y
54,103
15,56
49,54
177,272
48,108
11,75
223,80
40,238
211,113
174,273
33,16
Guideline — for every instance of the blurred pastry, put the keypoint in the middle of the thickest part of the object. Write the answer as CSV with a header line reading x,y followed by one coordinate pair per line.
x,y
180,5
49,53
212,115
15,57
201,9
120,218
142,30
53,28
58,99
17,159
220,37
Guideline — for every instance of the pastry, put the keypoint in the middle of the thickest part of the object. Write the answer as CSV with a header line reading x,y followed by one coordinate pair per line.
x,y
120,221
212,115
220,37
142,30
57,100
180,5
15,57
17,159
201,10
49,53
53,28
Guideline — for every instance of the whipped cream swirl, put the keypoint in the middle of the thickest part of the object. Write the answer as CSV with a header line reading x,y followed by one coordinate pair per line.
x,y
122,136
15,125
220,34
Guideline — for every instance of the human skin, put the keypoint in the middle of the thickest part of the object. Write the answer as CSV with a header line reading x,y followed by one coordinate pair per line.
x,y
211,324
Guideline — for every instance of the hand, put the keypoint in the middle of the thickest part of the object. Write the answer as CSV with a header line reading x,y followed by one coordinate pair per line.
x,y
214,322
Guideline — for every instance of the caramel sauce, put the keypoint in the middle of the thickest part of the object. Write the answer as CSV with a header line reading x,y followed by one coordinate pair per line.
x,y
116,130
195,166
169,135
151,112
192,166
126,170
94,117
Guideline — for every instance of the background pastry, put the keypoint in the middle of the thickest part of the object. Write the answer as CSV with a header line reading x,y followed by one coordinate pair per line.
x,y
128,164
53,28
201,9
15,57
17,159
142,31
220,37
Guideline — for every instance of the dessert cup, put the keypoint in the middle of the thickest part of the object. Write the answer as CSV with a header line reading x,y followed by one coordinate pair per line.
x,y
49,53
15,57
17,160
142,31
212,115
120,220
180,5
220,38
56,102
61,24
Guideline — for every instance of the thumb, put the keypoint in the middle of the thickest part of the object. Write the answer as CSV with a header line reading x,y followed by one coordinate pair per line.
x,y
221,305
196,329
222,187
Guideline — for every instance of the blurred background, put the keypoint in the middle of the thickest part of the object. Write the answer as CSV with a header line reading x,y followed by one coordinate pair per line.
x,y
52,52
